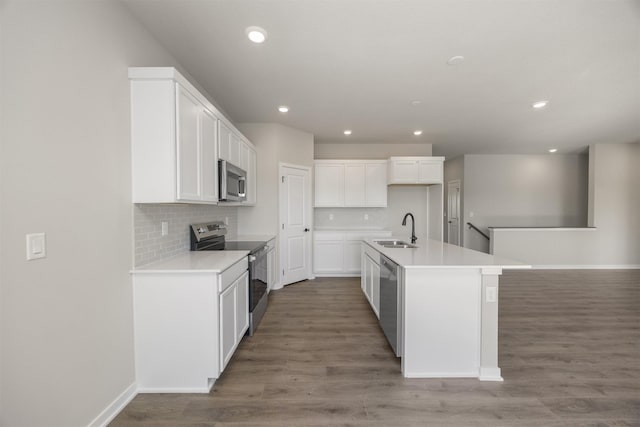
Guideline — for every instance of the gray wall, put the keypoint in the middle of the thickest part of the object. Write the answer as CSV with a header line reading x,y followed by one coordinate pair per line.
x,y
274,144
523,191
341,150
66,320
615,200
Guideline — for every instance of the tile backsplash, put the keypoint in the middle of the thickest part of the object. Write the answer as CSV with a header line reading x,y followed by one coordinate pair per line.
x,y
149,243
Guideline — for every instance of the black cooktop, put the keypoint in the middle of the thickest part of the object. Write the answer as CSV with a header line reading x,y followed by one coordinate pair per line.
x,y
244,246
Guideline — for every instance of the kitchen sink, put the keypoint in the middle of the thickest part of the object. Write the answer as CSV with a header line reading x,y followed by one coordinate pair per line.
x,y
395,244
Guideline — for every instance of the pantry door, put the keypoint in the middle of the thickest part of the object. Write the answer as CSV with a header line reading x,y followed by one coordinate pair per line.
x,y
295,223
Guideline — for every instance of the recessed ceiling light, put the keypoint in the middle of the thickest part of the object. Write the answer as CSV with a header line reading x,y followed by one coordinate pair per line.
x,y
553,150
417,132
540,104
283,109
456,60
416,103
256,34
347,132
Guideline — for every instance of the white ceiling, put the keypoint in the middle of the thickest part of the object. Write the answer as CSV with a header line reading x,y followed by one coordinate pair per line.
x,y
358,64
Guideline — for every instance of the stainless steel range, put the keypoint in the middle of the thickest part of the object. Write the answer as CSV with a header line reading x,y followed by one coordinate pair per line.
x,y
210,236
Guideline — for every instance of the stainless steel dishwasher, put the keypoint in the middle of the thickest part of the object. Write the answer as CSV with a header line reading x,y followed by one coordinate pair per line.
x,y
389,301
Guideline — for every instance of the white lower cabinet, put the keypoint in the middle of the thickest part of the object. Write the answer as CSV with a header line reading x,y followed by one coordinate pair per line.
x,y
338,253
187,326
328,253
370,279
234,317
272,265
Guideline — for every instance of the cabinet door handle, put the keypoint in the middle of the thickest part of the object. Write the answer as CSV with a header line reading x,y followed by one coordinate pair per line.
x,y
306,230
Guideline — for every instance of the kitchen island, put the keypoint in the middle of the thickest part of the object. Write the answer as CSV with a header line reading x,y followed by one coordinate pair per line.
x,y
447,307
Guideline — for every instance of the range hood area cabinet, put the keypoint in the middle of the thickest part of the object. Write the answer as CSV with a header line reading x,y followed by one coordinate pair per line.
x,y
415,170
237,150
350,183
175,141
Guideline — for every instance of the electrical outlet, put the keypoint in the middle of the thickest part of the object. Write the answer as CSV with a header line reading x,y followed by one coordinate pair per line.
x,y
330,217
165,227
492,294
226,220
366,217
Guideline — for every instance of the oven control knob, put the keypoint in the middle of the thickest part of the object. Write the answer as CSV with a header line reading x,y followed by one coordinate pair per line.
x,y
200,230
252,258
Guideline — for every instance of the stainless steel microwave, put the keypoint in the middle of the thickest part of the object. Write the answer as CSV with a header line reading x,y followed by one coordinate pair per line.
x,y
233,182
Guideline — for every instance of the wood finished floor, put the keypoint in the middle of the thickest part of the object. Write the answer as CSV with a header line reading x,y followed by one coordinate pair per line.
x,y
569,352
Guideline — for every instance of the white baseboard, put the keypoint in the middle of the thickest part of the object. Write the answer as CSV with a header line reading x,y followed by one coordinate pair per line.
x,y
587,267
114,408
490,374
470,374
177,390
337,274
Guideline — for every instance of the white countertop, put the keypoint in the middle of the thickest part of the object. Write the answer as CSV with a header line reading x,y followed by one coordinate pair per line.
x,y
194,262
358,229
436,254
254,238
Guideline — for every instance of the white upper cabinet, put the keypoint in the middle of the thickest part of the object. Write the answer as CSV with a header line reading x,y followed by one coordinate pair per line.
x,y
252,177
225,142
354,189
415,170
329,184
177,136
188,139
350,183
209,144
376,184
174,139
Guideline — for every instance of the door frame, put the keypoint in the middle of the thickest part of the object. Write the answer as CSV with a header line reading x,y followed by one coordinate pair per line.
x,y
459,186
309,212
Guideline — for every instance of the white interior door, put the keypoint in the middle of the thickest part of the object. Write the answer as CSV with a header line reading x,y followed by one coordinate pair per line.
x,y
295,223
453,212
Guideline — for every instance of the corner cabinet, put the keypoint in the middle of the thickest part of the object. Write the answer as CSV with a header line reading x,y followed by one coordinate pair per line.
x,y
350,183
415,170
187,326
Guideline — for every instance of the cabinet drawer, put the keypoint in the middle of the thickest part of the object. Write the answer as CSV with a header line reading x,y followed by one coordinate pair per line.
x,y
232,273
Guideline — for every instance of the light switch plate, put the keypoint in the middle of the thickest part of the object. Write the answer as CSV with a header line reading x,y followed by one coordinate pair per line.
x,y
165,227
36,246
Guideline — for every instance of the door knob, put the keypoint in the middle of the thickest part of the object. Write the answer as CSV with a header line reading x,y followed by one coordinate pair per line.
x,y
306,230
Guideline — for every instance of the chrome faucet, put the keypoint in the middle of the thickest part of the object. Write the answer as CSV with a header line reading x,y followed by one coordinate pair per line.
x,y
413,226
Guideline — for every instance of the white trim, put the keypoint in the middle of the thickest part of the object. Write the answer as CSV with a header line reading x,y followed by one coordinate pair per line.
x,y
587,267
277,286
490,374
114,408
202,390
338,274
470,374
